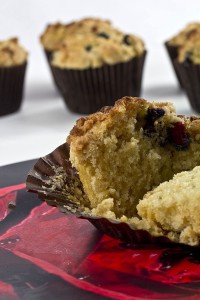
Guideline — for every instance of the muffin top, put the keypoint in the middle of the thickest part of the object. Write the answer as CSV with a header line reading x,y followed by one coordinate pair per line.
x,y
90,43
188,33
188,43
190,52
53,36
12,53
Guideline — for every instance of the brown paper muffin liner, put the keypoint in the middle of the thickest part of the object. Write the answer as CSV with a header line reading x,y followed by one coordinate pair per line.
x,y
48,55
86,91
39,181
172,52
11,88
190,77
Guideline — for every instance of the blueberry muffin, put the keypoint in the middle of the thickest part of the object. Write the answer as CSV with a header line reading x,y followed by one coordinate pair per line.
x,y
13,61
94,46
54,36
123,152
188,66
132,170
186,36
96,64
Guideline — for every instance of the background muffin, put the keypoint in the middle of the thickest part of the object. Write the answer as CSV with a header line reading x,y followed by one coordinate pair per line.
x,y
97,64
188,66
55,35
187,35
13,60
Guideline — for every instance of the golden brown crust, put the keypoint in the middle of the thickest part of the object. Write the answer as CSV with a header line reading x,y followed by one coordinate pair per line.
x,y
188,43
106,115
188,33
12,53
54,35
89,42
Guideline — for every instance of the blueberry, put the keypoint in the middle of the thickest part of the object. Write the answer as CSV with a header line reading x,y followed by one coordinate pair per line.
x,y
103,35
126,40
88,48
154,113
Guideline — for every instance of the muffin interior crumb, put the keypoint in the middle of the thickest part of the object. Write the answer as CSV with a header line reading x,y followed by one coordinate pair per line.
x,y
123,152
173,207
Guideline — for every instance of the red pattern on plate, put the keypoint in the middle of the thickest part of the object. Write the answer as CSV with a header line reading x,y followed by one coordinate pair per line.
x,y
8,195
74,250
7,292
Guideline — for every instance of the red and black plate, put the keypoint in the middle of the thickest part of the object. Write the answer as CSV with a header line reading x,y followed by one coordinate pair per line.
x,y
45,253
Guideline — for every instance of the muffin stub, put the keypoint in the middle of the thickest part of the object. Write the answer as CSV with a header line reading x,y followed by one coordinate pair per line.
x,y
12,53
173,208
123,152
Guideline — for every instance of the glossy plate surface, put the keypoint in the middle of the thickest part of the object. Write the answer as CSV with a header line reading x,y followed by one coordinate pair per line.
x,y
46,254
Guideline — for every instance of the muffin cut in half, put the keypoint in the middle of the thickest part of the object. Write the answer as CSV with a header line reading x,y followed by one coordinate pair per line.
x,y
122,152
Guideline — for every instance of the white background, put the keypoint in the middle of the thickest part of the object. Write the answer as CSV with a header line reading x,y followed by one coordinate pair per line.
x,y
43,121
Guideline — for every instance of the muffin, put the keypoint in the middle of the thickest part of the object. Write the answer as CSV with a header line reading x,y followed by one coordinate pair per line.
x,y
188,66
173,207
123,152
188,34
120,156
54,36
92,63
13,61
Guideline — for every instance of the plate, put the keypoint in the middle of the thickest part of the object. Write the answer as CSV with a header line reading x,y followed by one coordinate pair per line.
x,y
47,254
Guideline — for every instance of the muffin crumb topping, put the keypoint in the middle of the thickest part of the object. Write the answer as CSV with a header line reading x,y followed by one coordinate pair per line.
x,y
90,43
12,53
